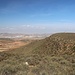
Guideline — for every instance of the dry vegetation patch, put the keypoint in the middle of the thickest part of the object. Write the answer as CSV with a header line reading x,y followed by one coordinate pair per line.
x,y
54,55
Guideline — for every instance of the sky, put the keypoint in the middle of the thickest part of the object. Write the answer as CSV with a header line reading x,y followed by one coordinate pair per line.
x,y
37,16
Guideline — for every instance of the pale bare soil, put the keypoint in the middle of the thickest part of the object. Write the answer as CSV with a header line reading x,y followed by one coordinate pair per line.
x,y
5,46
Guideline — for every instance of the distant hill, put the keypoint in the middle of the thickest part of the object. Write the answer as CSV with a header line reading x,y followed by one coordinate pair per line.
x,y
60,43
54,55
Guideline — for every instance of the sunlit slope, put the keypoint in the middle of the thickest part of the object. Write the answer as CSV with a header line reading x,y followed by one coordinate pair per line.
x,y
54,55
60,43
57,44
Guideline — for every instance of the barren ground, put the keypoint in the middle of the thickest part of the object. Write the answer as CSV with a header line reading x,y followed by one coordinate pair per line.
x,y
6,45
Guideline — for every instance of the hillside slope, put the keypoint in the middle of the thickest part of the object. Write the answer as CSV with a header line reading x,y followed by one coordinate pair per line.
x,y
60,43
54,55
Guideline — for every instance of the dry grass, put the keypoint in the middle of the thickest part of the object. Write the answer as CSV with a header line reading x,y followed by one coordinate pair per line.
x,y
54,55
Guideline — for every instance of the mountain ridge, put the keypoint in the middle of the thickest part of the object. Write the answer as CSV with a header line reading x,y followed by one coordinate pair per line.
x,y
54,55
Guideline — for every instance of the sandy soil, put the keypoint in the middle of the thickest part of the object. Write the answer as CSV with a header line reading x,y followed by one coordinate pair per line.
x,y
11,45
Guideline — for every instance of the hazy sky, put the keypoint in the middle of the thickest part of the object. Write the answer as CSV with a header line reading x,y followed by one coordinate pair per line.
x,y
37,16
